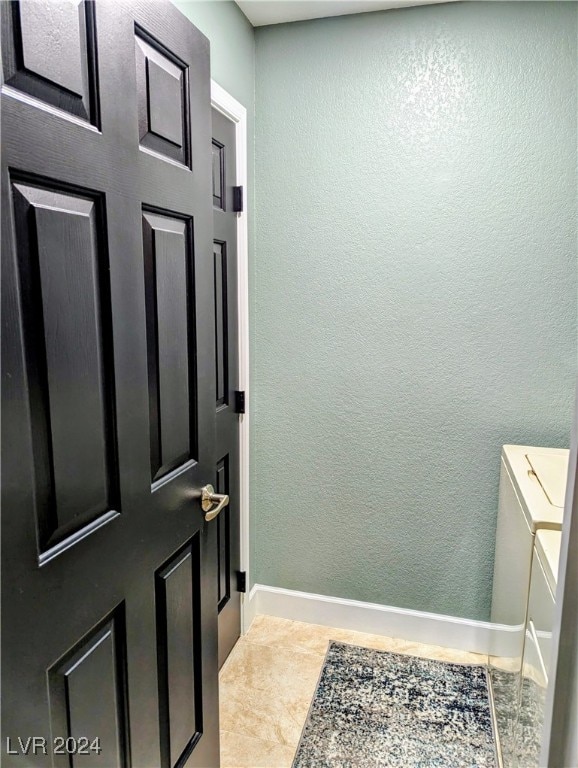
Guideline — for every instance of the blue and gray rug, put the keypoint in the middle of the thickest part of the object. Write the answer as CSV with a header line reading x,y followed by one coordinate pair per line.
x,y
374,709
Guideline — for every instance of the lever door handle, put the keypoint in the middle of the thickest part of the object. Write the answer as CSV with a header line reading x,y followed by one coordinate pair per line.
x,y
208,498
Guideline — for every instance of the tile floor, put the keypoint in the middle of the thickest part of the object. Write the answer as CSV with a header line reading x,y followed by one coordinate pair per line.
x,y
267,683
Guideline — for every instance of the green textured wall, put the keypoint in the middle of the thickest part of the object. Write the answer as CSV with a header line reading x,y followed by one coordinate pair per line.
x,y
414,291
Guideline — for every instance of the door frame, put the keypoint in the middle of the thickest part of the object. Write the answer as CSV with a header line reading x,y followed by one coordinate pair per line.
x,y
227,105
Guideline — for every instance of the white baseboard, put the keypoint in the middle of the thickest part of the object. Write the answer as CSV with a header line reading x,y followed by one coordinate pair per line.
x,y
248,611
413,626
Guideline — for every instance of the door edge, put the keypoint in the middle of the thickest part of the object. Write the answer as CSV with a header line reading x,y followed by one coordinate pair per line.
x,y
223,102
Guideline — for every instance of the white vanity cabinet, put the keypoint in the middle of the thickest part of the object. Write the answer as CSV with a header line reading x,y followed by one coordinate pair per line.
x,y
531,504
537,648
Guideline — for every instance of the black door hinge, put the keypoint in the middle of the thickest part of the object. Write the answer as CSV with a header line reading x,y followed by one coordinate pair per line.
x,y
237,199
239,402
241,581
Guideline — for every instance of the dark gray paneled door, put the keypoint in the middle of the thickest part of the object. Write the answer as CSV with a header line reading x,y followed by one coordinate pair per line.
x,y
109,592
227,378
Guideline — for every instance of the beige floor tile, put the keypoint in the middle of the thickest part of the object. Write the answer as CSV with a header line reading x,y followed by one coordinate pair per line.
x,y
269,630
263,716
265,692
261,666
313,638
296,635
241,751
437,653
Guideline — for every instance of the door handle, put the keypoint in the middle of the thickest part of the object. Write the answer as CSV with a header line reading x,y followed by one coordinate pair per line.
x,y
208,498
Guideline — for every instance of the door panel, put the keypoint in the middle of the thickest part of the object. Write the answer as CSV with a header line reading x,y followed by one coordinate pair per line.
x,y
221,324
224,536
66,319
218,168
162,80
50,54
227,379
89,686
178,613
170,341
108,431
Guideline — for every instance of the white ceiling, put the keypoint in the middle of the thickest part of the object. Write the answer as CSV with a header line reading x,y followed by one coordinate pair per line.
x,y
261,12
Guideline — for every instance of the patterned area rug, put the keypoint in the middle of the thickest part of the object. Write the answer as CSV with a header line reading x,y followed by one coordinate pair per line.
x,y
374,709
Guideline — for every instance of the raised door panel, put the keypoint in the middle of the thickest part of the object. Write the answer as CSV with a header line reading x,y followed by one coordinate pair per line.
x,y
66,318
223,537
178,633
49,53
162,93
218,158
221,324
170,341
88,700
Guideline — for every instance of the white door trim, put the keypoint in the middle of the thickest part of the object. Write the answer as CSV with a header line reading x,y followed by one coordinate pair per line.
x,y
222,101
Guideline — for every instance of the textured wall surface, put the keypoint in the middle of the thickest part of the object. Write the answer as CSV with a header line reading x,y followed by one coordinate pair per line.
x,y
415,290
